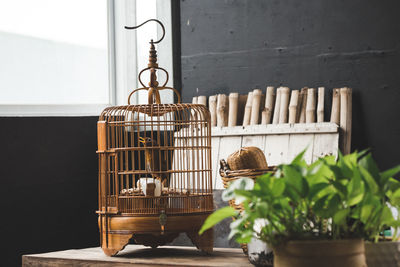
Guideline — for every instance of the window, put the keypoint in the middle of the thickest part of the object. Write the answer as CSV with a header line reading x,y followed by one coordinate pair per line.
x,y
54,56
74,57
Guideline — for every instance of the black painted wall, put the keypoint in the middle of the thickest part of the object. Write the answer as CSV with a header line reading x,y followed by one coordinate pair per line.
x,y
237,45
48,191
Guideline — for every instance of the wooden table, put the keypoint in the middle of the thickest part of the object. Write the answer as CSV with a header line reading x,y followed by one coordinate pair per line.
x,y
137,255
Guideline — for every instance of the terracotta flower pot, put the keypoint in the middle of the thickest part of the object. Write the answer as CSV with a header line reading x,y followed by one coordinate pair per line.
x,y
383,254
326,253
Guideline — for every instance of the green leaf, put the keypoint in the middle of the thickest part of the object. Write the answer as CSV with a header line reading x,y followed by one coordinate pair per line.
x,y
396,194
242,195
320,204
363,153
355,188
337,172
355,199
216,217
387,216
278,187
333,206
265,183
340,216
292,193
339,187
295,179
316,188
389,173
369,164
344,166
366,211
370,181
351,159
244,237
299,158
262,210
239,184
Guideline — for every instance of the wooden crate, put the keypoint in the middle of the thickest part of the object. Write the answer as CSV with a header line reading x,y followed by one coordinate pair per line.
x,y
280,142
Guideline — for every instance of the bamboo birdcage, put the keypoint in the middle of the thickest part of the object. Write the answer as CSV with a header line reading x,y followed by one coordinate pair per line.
x,y
154,169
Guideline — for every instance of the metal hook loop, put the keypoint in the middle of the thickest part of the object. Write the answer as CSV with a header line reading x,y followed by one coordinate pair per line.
x,y
156,20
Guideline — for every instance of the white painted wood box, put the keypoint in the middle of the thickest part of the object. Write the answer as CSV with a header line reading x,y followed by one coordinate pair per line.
x,y
280,142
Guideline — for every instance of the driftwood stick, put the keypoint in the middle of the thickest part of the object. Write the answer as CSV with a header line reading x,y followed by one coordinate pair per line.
x,y
310,106
283,109
320,106
335,112
255,106
202,100
294,100
233,109
275,119
302,114
247,109
264,117
269,104
212,105
345,119
222,109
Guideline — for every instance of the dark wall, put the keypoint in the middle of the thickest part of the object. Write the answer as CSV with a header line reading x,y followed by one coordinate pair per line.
x,y
48,191
236,45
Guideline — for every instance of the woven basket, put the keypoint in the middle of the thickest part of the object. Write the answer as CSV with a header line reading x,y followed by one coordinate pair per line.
x,y
228,176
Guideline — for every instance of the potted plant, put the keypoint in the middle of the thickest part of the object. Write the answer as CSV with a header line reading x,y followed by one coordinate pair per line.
x,y
384,249
311,215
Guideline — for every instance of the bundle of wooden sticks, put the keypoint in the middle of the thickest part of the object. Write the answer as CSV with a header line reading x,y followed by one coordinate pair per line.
x,y
283,106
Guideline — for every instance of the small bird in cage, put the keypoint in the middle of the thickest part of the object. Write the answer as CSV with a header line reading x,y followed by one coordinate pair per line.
x,y
153,157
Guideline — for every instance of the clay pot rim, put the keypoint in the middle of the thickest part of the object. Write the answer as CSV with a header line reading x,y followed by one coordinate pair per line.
x,y
324,247
321,241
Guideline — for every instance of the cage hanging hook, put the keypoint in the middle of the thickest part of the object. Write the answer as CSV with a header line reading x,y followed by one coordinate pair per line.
x,y
156,20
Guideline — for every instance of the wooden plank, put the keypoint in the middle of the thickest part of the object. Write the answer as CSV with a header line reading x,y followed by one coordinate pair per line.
x,y
310,105
320,106
275,118
212,105
233,108
269,104
283,108
276,149
302,105
257,141
299,142
137,255
335,111
345,119
215,141
227,146
294,99
325,144
247,109
202,100
324,127
241,107
222,110
255,107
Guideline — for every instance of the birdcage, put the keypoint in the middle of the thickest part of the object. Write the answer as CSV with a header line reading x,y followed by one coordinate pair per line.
x,y
154,169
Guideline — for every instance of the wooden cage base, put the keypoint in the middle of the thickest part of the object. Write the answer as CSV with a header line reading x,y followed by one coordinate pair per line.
x,y
147,231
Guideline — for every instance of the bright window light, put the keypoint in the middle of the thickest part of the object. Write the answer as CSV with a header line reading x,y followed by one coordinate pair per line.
x,y
53,52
